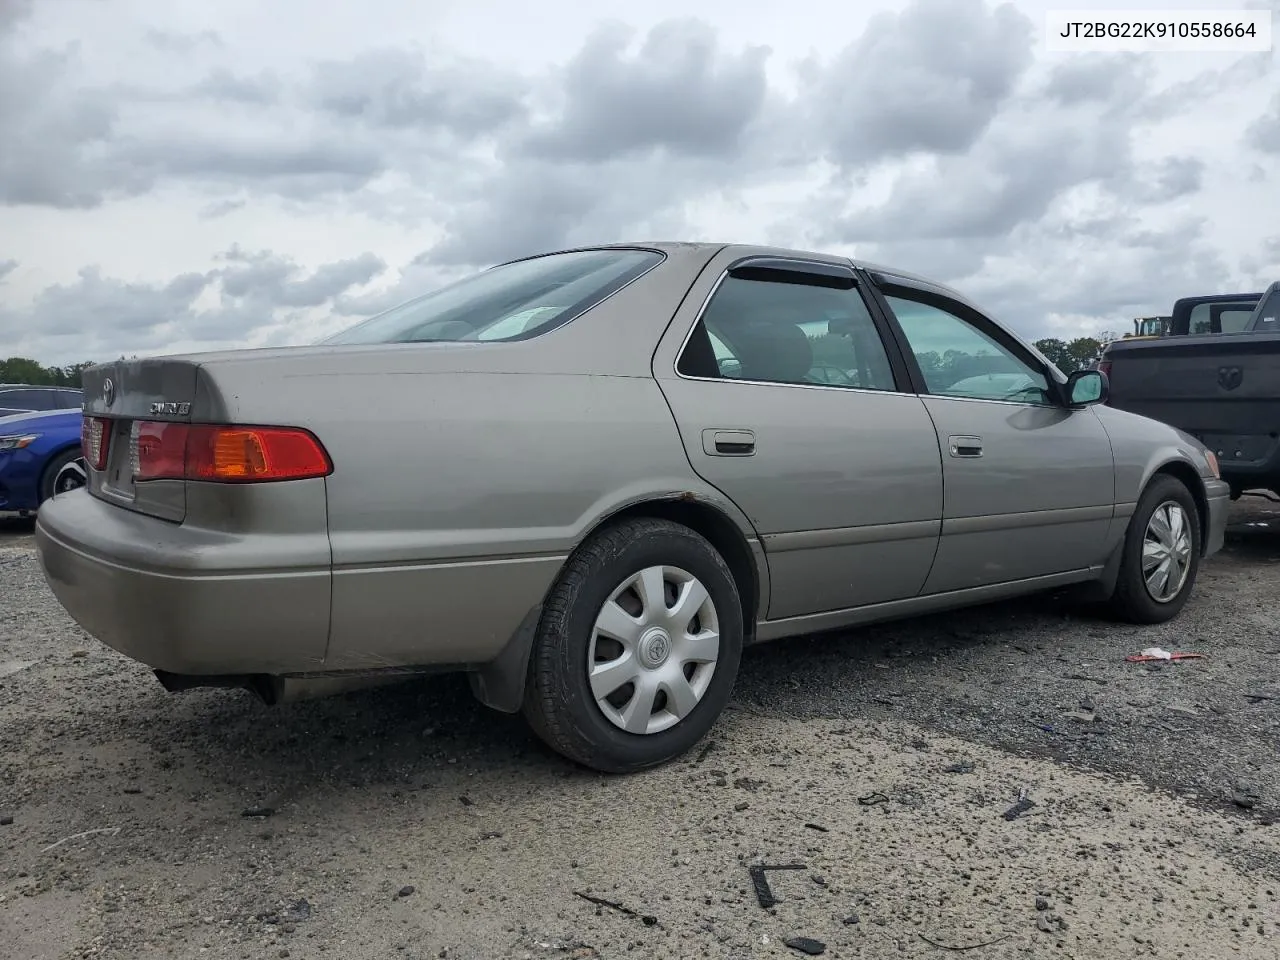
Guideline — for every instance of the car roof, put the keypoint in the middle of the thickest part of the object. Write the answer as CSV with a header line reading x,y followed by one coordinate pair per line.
x,y
706,248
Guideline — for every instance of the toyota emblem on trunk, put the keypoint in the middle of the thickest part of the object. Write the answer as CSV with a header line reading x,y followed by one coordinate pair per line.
x,y
108,391
1230,377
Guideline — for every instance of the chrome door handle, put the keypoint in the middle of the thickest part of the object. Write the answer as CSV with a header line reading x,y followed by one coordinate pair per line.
x,y
728,443
965,446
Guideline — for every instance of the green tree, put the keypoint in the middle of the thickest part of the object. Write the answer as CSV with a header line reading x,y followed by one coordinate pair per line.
x,y
1084,350
26,370
1058,354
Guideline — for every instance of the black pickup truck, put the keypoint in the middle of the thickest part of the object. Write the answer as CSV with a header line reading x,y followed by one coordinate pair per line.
x,y
1221,387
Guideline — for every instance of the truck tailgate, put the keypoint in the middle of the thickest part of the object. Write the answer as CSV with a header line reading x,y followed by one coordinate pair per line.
x,y
1223,389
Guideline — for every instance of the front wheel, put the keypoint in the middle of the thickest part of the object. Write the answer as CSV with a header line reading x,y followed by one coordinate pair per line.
x,y
65,472
638,648
1161,554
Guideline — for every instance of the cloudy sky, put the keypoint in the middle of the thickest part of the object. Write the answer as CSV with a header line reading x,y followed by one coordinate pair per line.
x,y
178,174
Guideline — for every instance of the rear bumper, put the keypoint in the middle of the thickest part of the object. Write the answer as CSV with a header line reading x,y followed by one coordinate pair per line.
x,y
188,600
1218,497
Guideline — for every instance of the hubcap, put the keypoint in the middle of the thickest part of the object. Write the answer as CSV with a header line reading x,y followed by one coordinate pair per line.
x,y
653,650
1166,552
70,477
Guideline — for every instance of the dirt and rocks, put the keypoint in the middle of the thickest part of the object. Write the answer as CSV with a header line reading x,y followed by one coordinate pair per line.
x,y
886,765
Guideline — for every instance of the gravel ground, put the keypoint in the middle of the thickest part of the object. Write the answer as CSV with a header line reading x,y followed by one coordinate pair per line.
x,y
410,822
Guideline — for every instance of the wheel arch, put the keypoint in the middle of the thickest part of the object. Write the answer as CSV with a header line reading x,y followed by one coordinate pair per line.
x,y
1189,477
48,465
500,683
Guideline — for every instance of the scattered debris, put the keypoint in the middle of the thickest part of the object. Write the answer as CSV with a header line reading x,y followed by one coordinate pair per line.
x,y
298,911
647,919
77,836
702,754
491,835
1084,676
851,919
814,826
819,879
5,821
807,945
746,783
258,812
1024,804
1259,697
466,801
1155,653
1049,922
740,806
964,766
873,798
405,891
1245,795
133,790
763,894
967,946
1042,904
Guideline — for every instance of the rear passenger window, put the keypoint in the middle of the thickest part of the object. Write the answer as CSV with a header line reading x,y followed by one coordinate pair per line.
x,y
770,327
1199,320
21,400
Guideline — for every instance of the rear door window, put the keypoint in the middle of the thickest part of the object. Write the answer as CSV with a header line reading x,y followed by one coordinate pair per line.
x,y
21,401
767,328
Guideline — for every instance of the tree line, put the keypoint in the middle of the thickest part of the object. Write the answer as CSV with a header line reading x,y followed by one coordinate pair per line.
x,y
33,373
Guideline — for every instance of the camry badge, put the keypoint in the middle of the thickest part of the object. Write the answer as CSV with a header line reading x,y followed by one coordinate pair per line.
x,y
170,408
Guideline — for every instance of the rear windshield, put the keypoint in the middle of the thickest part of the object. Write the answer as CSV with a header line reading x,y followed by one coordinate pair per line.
x,y
514,301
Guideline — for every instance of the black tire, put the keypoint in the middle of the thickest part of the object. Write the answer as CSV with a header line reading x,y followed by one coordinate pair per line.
x,y
1132,601
559,704
51,471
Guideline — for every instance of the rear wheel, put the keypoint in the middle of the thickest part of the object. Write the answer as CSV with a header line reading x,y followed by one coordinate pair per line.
x,y
61,474
1161,554
638,648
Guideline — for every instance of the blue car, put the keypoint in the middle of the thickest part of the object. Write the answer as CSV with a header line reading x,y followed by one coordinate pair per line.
x,y
39,457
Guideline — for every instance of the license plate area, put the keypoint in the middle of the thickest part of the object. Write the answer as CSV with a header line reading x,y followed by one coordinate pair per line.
x,y
118,477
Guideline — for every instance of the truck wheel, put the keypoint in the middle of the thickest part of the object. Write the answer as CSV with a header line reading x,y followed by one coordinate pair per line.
x,y
638,647
1161,554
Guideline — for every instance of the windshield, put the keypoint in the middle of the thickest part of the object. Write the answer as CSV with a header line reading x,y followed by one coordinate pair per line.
x,y
514,301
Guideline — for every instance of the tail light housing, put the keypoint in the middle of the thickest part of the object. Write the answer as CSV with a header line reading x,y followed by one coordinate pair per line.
x,y
95,435
224,453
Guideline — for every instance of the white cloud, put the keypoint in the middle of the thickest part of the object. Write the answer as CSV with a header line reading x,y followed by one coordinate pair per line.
x,y
198,176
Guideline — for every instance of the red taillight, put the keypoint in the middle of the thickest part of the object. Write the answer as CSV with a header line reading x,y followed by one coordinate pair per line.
x,y
226,454
94,435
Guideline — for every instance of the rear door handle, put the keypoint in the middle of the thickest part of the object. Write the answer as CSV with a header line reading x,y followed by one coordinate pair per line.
x,y
965,446
728,443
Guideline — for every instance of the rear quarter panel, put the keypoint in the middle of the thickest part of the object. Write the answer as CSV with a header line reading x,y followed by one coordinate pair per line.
x,y
465,474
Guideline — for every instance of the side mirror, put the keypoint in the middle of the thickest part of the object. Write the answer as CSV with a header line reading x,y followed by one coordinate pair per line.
x,y
1087,387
